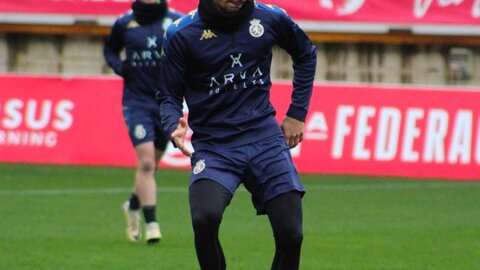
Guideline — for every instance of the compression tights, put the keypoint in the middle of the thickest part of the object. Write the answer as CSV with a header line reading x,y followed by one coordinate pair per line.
x,y
208,201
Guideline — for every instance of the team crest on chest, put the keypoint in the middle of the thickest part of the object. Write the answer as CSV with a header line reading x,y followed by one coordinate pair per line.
x,y
256,29
199,166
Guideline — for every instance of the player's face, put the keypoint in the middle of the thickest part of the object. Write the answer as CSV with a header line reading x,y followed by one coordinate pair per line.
x,y
149,1
230,5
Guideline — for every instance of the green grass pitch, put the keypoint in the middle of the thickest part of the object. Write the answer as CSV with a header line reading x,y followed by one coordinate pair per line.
x,y
64,217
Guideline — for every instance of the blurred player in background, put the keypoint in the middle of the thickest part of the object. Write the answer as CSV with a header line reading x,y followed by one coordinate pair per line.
x,y
140,33
218,59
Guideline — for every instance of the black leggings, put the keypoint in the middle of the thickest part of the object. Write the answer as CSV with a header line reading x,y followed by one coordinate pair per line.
x,y
208,201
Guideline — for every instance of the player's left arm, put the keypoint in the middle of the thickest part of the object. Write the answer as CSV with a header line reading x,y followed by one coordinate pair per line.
x,y
171,89
114,43
304,56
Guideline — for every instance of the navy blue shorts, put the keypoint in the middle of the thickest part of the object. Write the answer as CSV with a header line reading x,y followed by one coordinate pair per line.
x,y
265,168
144,125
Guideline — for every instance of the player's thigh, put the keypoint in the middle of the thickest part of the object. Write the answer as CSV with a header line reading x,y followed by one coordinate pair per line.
x,y
285,222
271,172
146,152
222,166
208,200
140,124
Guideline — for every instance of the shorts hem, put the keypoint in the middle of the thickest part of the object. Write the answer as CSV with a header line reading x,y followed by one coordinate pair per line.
x,y
214,180
262,211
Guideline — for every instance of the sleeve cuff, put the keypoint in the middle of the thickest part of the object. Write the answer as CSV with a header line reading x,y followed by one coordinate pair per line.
x,y
297,113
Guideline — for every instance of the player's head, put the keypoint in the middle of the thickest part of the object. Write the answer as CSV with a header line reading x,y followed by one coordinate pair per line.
x,y
229,6
148,11
225,15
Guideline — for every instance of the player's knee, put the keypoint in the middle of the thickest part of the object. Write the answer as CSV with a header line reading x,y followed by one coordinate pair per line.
x,y
146,165
205,217
290,238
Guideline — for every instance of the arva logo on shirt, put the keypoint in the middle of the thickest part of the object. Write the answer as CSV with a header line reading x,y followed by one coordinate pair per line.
x,y
149,57
236,80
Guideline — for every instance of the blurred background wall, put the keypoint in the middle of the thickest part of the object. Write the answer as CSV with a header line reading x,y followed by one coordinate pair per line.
x,y
423,62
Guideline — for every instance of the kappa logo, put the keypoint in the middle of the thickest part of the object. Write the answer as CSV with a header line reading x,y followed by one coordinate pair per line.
x,y
192,13
177,22
199,166
207,34
132,24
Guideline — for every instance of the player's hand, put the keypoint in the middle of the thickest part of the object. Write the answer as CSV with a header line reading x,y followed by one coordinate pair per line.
x,y
293,131
178,136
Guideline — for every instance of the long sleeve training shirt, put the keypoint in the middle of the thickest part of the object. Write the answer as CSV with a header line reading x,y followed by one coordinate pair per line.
x,y
225,77
143,46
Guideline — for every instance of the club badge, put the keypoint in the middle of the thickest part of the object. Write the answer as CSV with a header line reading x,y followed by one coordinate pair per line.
x,y
140,132
256,29
199,166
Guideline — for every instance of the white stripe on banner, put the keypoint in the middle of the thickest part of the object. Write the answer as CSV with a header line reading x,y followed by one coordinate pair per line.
x,y
324,187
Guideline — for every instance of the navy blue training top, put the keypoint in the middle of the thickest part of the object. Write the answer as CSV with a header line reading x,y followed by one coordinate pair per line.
x,y
143,46
225,77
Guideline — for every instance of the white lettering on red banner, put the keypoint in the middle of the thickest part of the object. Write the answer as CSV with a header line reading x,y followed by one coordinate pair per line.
x,y
348,7
389,131
437,147
397,131
421,7
33,122
316,127
455,12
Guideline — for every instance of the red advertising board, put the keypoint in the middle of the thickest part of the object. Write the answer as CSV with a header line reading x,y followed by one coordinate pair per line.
x,y
351,129
372,11
62,121
403,131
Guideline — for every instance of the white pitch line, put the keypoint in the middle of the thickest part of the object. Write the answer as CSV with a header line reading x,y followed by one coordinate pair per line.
x,y
396,186
325,187
52,192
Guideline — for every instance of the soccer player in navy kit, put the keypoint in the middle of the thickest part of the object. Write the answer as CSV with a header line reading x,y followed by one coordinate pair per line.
x,y
218,59
140,33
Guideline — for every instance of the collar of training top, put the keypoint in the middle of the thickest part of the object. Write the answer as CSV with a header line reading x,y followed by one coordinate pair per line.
x,y
149,13
226,22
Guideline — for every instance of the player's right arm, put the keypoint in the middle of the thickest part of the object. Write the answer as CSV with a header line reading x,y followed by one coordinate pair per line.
x,y
171,92
303,53
113,45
